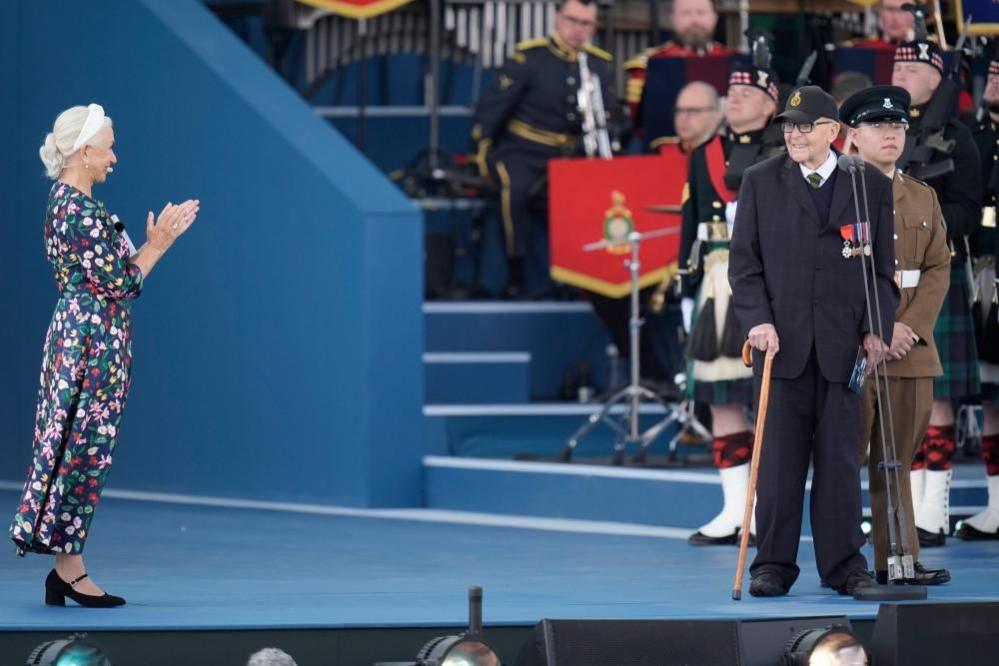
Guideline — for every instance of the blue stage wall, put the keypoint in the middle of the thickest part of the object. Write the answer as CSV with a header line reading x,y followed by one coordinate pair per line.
x,y
278,346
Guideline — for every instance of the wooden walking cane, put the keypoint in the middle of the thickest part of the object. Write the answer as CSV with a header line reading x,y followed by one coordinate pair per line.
x,y
754,466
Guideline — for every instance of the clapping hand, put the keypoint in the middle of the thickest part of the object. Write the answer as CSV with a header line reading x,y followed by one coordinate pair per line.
x,y
172,222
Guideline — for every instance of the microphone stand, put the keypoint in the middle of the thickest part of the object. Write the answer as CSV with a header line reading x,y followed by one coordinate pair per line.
x,y
900,562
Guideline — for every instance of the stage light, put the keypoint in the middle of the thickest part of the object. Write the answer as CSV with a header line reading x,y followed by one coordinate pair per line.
x,y
468,649
832,646
465,650
72,651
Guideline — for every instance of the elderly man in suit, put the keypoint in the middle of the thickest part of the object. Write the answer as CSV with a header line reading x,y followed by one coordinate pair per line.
x,y
799,292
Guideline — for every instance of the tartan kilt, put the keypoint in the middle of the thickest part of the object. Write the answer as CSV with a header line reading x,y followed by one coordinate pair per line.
x,y
717,391
735,391
954,334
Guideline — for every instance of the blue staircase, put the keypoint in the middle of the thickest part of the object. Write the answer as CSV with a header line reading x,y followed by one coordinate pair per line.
x,y
493,370
555,335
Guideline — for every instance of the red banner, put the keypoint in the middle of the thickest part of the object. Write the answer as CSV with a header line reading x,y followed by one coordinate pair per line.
x,y
594,200
358,9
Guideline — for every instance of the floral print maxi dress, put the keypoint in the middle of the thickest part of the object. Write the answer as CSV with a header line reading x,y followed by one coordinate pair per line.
x,y
86,367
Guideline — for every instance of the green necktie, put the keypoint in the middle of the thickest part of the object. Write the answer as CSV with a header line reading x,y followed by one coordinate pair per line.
x,y
814,179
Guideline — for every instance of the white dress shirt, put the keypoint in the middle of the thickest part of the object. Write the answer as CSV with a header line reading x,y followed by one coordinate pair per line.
x,y
825,169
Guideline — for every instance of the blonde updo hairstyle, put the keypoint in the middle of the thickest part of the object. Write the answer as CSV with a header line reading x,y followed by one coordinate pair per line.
x,y
58,146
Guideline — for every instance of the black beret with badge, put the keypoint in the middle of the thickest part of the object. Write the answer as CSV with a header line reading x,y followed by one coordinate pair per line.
x,y
876,103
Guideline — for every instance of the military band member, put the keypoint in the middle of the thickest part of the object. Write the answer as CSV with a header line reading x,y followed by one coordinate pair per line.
x,y
919,69
985,248
799,293
877,119
693,23
874,55
894,25
528,116
716,374
697,115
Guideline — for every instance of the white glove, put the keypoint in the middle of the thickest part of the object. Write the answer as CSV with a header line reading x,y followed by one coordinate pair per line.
x,y
687,310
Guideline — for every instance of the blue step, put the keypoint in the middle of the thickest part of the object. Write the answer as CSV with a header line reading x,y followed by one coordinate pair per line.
x,y
477,377
557,335
537,429
663,497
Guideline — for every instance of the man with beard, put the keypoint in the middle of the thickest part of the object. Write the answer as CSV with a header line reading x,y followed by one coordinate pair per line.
x,y
919,69
693,23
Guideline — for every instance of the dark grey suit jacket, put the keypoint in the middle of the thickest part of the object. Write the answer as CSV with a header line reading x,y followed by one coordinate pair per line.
x,y
786,269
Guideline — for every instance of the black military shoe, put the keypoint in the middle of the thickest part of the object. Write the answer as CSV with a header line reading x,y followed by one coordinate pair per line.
x,y
699,539
926,576
923,576
767,584
928,539
857,579
968,533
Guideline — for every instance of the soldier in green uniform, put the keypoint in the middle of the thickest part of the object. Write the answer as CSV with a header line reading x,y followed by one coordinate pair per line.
x,y
877,119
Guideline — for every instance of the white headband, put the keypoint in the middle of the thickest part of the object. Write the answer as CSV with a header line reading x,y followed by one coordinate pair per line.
x,y
96,121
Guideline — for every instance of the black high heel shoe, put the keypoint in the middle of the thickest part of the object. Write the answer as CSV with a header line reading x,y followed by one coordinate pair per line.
x,y
56,591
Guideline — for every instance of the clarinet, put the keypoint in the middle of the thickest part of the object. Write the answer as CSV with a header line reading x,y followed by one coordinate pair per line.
x,y
596,138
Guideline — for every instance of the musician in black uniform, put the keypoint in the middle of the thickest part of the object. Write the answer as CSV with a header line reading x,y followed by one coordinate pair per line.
x,y
985,250
919,68
799,292
716,376
528,116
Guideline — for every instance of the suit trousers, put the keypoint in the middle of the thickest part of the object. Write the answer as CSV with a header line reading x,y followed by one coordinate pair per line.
x,y
911,402
810,417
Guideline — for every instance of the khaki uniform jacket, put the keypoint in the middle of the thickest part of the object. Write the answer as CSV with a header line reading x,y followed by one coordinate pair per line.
x,y
920,244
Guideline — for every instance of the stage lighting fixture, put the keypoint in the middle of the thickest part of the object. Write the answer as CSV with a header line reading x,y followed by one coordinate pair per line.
x,y
72,651
465,650
832,646
468,649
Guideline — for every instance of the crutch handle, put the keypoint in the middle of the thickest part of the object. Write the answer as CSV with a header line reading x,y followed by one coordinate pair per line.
x,y
747,354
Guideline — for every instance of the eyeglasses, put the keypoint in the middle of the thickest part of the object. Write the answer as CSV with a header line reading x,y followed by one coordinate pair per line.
x,y
889,125
804,128
691,110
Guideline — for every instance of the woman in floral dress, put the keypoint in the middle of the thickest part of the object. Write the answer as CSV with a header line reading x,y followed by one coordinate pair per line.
x,y
86,361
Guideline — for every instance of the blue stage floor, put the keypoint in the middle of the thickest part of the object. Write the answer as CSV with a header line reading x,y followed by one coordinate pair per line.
x,y
186,566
